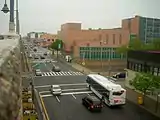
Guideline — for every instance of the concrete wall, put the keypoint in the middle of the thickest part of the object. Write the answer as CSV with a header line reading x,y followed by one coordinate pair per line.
x,y
10,78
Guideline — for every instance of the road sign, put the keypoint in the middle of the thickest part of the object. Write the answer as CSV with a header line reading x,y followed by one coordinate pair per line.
x,y
83,63
59,46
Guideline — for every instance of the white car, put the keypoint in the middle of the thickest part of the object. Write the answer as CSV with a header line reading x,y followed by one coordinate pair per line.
x,y
56,89
38,72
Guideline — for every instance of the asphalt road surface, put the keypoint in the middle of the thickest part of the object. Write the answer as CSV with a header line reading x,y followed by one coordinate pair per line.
x,y
69,106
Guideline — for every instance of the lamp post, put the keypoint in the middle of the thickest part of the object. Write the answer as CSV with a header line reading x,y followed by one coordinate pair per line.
x,y
101,54
5,9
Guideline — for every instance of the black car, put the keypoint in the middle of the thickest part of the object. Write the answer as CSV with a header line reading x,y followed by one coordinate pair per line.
x,y
45,54
92,103
42,57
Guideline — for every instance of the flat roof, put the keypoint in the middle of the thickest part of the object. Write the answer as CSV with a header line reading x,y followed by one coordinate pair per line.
x,y
7,45
105,82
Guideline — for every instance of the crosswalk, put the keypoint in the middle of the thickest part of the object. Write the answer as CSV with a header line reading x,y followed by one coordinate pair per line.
x,y
61,73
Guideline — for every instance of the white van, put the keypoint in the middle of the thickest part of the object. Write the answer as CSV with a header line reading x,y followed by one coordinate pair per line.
x,y
68,58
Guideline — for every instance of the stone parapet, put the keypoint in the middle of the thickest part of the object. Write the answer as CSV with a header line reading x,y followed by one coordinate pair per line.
x,y
10,77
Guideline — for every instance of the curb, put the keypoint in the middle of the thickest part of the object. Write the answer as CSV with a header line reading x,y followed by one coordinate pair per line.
x,y
44,108
39,103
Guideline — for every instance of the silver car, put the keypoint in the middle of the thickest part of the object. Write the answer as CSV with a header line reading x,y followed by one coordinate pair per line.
x,y
56,69
38,72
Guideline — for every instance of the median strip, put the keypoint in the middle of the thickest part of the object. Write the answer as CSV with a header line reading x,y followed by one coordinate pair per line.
x,y
44,108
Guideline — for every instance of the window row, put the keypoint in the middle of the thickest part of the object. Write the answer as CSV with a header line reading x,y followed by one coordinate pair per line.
x,y
97,48
143,68
101,55
114,36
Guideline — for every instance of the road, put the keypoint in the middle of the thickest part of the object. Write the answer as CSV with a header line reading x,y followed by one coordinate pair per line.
x,y
68,106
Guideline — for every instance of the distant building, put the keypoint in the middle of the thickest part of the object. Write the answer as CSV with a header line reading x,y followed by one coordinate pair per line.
x,y
146,29
47,39
94,45
144,61
34,35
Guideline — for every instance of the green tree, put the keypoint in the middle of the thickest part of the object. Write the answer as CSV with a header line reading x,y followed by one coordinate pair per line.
x,y
139,45
57,45
145,82
123,49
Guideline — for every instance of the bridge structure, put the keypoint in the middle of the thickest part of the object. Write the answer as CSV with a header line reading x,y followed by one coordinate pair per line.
x,y
10,77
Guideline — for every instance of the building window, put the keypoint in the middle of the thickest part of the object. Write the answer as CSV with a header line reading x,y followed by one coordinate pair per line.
x,y
120,39
114,39
100,37
106,41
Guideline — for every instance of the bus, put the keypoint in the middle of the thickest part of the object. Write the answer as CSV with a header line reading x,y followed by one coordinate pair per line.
x,y
111,93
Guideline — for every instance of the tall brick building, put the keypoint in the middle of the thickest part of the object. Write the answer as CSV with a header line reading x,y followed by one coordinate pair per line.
x,y
95,46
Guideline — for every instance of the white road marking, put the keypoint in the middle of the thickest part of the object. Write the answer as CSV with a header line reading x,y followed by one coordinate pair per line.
x,y
76,93
44,92
49,95
42,86
62,85
74,96
73,84
57,99
74,89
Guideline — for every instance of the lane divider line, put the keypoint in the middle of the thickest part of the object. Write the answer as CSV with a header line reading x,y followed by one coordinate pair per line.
x,y
58,99
44,108
62,85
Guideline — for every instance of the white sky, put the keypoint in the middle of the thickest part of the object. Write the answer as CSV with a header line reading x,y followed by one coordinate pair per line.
x,y
48,15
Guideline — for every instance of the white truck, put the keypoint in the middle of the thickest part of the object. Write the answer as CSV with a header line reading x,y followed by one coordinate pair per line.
x,y
68,58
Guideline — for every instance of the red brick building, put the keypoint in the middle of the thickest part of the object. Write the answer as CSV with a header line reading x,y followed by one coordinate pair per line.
x,y
96,45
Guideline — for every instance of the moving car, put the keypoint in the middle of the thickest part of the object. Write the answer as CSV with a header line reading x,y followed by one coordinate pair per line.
x,y
45,54
56,89
36,57
56,69
38,72
92,103
42,57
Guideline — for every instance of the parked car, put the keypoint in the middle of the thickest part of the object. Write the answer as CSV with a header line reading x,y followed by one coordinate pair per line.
x,y
56,68
119,75
92,103
38,72
56,89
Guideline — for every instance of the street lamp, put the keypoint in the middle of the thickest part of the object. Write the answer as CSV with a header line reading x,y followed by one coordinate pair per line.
x,y
101,54
5,8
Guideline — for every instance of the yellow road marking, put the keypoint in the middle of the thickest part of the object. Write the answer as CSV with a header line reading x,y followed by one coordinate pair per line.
x,y
44,108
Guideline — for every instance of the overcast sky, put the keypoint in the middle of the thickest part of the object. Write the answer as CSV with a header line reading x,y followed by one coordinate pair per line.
x,y
48,15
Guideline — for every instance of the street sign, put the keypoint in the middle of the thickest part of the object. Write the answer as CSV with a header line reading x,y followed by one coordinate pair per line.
x,y
83,63
59,46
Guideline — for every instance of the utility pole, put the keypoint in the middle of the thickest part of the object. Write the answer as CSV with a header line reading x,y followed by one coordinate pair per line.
x,y
101,55
11,21
17,19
